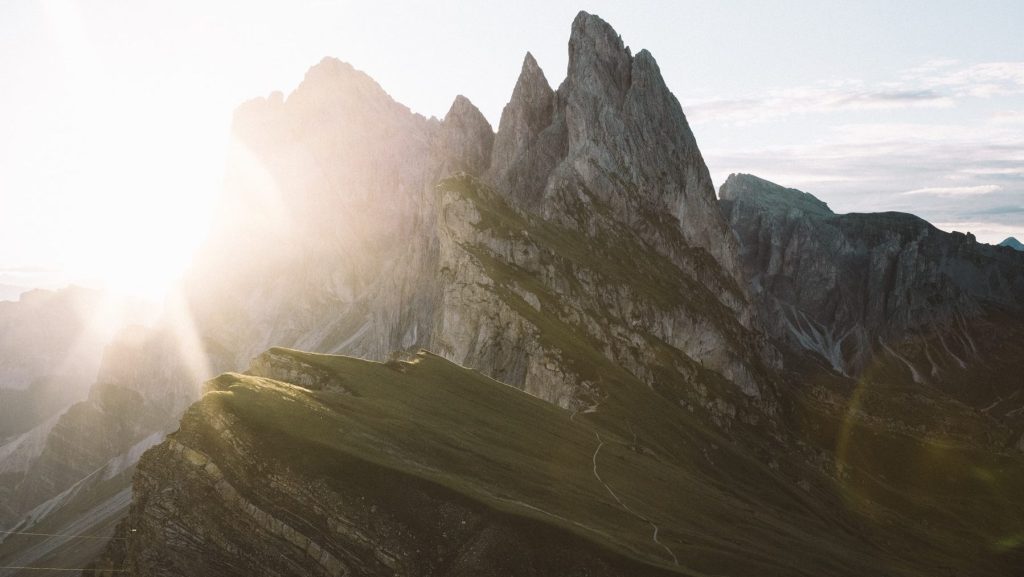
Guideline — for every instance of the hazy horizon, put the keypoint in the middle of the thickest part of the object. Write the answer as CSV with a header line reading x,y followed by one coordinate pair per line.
x,y
116,118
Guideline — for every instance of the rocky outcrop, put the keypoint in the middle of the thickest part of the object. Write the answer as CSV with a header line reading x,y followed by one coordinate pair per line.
x,y
333,237
282,365
529,143
466,139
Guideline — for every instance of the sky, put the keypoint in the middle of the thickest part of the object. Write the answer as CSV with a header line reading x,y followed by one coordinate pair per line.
x,y
114,115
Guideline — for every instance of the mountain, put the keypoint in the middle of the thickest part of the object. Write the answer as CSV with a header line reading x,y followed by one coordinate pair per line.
x,y
1012,243
883,293
619,164
612,385
56,426
50,348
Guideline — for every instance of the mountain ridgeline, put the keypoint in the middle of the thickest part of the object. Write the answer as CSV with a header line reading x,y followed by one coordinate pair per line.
x,y
552,350
1013,243
885,293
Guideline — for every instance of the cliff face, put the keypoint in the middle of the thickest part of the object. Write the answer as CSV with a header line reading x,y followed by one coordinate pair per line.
x,y
882,293
611,140
333,174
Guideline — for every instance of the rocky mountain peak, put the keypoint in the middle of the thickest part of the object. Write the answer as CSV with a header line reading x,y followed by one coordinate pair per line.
x,y
769,197
599,62
1013,243
530,105
466,138
623,124
332,74
516,153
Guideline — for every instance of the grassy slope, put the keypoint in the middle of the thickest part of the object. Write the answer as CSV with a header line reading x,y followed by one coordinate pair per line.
x,y
719,511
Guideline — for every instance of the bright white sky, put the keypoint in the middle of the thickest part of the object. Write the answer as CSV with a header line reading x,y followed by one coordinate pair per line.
x,y
114,115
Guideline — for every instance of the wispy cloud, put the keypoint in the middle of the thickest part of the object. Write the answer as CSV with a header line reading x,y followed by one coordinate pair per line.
x,y
936,84
980,80
777,104
955,190
962,169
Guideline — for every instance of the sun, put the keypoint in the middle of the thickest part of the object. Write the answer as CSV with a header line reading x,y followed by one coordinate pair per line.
x,y
131,201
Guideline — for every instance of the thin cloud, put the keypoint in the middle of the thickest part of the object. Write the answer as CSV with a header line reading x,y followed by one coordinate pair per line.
x,y
994,171
956,190
936,84
982,80
780,103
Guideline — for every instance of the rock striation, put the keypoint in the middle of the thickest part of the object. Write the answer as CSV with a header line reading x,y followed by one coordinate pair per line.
x,y
881,292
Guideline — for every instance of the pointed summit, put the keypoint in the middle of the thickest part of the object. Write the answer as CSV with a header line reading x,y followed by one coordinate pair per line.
x,y
466,138
530,106
463,109
520,164
1013,243
531,70
599,62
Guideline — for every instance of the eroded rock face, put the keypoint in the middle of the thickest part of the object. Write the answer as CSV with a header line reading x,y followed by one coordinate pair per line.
x,y
360,253
338,180
865,290
467,139
516,283
612,132
529,143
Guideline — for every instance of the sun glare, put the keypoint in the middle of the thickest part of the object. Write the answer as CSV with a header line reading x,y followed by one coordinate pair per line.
x,y
138,180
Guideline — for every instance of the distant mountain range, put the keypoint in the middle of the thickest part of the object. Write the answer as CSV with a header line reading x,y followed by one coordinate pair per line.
x,y
1012,243
573,359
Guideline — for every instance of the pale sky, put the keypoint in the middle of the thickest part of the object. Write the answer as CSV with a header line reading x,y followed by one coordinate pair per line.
x,y
114,115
